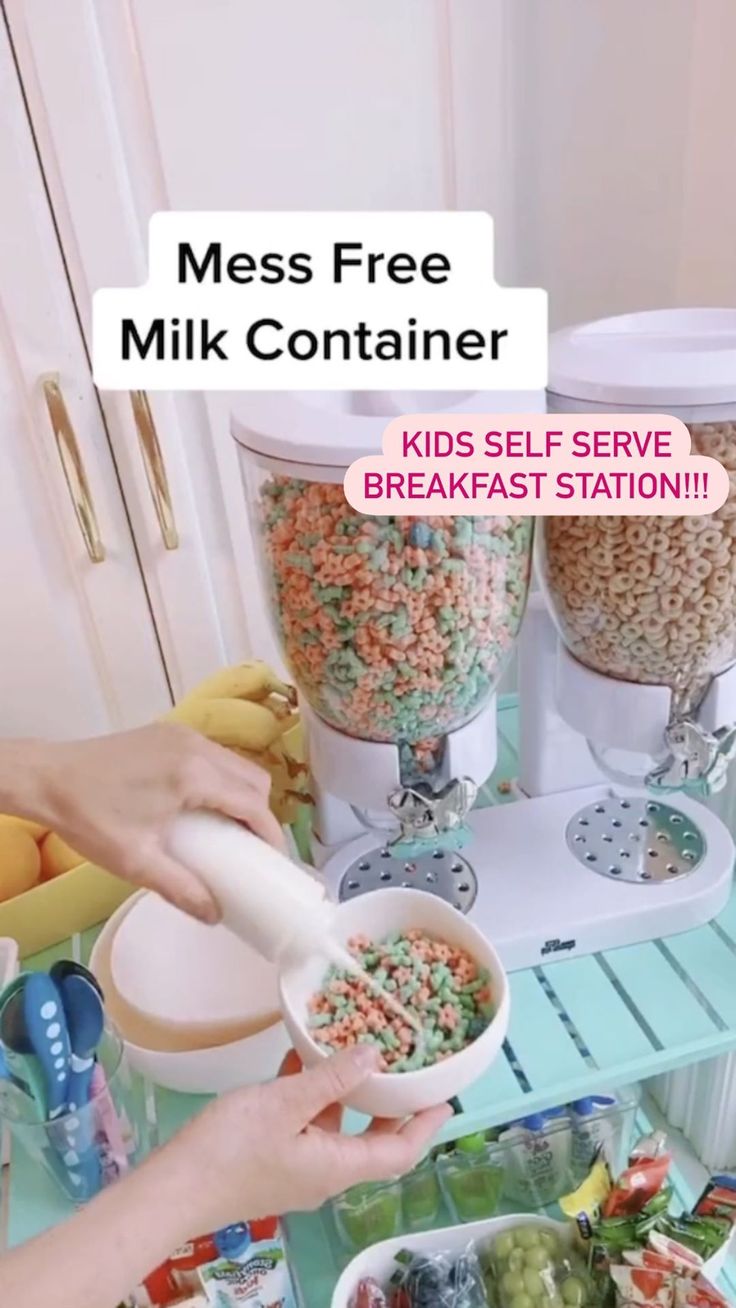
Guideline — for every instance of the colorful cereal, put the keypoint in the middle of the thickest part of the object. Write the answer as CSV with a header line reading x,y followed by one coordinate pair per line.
x,y
442,989
396,629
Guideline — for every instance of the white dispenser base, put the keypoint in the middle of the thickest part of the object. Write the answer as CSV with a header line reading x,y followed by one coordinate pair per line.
x,y
535,899
564,705
538,904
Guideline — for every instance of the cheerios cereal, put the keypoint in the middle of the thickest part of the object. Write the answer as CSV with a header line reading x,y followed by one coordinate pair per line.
x,y
396,629
650,599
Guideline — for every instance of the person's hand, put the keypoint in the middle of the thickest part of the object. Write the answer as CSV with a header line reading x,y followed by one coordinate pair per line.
x,y
112,799
276,1148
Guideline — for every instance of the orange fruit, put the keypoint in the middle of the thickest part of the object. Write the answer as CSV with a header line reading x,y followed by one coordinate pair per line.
x,y
57,857
33,829
20,862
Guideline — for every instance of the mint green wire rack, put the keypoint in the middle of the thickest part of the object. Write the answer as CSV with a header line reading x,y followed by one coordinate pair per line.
x,y
577,1027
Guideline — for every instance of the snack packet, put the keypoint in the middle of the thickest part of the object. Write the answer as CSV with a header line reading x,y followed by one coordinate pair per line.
x,y
400,1298
683,1261
586,1203
650,1146
703,1235
654,1262
258,1277
635,1189
698,1294
180,1274
438,1281
718,1198
642,1286
369,1295
614,1239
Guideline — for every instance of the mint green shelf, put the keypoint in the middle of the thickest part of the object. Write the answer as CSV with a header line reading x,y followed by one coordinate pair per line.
x,y
608,1020
317,1263
576,1026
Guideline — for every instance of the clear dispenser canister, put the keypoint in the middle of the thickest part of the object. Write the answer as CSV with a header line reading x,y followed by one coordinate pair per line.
x,y
395,629
649,599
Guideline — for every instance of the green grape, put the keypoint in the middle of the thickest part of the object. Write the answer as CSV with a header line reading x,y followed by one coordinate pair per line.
x,y
533,1283
515,1260
538,1258
548,1240
512,1283
554,1300
521,1301
573,1292
504,1245
527,1237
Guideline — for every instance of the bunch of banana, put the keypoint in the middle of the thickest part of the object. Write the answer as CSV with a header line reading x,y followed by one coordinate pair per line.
x,y
249,710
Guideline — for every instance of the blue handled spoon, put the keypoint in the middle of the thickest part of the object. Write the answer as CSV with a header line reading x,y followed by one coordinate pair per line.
x,y
85,1018
67,967
84,1008
56,1046
27,1071
81,997
46,1029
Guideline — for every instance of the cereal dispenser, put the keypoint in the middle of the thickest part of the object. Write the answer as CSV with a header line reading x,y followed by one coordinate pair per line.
x,y
628,674
396,631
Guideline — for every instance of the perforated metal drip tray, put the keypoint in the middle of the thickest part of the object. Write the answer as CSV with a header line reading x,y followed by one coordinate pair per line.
x,y
636,839
438,872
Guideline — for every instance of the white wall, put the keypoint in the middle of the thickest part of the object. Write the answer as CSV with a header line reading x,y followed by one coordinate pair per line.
x,y
619,163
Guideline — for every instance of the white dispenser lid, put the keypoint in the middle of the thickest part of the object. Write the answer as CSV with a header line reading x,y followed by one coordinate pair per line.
x,y
668,358
330,429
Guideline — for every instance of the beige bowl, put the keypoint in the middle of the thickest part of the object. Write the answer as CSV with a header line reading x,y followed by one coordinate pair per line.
x,y
189,1059
376,915
179,973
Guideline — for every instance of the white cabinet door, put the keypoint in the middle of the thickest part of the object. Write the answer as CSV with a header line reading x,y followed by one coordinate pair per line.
x,y
232,104
78,649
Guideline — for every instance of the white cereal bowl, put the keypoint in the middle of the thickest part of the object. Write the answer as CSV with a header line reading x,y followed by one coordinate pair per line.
x,y
214,1071
168,1056
376,915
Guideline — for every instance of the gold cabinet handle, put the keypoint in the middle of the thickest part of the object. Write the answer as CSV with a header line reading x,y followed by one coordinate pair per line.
x,y
153,462
71,462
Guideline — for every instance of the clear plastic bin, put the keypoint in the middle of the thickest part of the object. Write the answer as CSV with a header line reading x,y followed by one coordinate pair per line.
x,y
379,1262
368,1214
473,1182
421,1198
88,1149
480,1176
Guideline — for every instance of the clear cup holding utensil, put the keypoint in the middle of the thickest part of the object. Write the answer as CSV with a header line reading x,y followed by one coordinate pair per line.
x,y
86,1148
